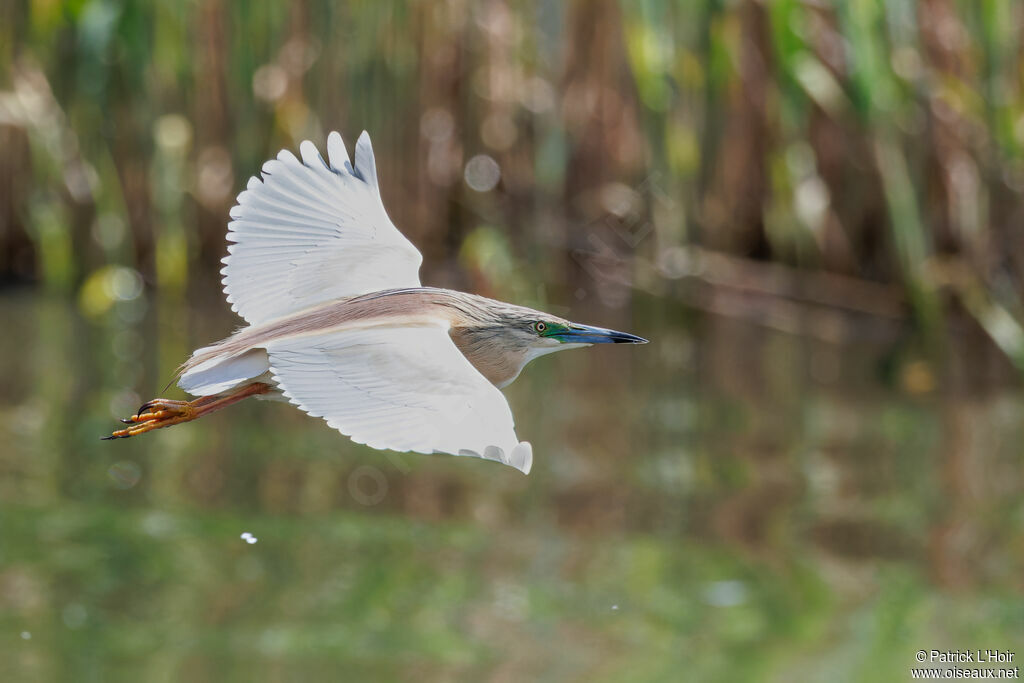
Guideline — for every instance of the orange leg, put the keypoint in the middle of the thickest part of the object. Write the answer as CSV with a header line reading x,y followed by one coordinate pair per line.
x,y
164,412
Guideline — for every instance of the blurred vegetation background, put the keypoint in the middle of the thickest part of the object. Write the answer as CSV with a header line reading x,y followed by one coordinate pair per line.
x,y
850,144
812,208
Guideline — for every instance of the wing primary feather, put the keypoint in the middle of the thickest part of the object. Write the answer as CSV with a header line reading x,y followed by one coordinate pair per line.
x,y
366,165
337,153
311,155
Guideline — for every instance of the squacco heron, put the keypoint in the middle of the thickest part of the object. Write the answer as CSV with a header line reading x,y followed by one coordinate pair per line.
x,y
339,324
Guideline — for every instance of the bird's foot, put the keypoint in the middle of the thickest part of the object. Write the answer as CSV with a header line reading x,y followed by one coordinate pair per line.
x,y
165,412
156,414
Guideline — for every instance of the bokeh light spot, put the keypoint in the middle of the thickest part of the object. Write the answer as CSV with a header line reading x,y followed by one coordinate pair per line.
x,y
124,474
482,173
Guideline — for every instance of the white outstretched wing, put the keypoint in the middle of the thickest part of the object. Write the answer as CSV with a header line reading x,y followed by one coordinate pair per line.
x,y
403,388
310,232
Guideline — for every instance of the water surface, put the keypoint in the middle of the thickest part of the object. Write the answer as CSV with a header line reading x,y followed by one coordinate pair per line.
x,y
727,503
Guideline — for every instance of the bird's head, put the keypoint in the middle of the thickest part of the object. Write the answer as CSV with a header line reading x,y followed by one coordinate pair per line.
x,y
499,338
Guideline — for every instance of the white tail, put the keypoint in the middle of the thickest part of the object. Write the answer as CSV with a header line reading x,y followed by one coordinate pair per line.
x,y
208,372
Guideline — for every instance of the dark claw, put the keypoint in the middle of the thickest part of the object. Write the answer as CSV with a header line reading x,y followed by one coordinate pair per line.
x,y
144,407
112,437
127,421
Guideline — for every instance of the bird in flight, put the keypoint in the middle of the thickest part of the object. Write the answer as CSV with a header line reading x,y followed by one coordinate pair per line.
x,y
339,324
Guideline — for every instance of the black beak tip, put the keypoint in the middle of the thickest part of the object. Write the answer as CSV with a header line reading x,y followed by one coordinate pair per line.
x,y
629,339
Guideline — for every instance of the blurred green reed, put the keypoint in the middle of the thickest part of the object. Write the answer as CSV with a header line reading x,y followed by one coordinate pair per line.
x,y
874,139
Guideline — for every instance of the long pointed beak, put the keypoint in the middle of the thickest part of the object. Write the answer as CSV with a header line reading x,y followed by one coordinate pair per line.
x,y
585,334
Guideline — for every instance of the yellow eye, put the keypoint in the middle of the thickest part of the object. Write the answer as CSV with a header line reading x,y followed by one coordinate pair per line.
x,y
540,327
